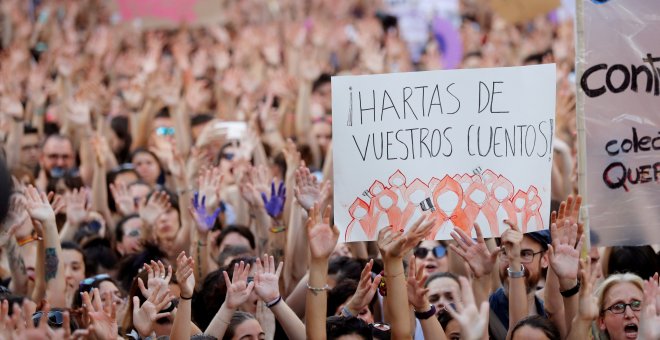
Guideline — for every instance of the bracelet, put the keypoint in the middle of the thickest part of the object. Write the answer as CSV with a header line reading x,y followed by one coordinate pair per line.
x,y
199,243
572,291
185,298
272,304
276,230
425,315
390,276
516,274
317,289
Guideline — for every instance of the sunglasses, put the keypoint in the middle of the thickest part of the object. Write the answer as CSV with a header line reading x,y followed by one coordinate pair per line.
x,y
55,318
165,131
438,252
228,156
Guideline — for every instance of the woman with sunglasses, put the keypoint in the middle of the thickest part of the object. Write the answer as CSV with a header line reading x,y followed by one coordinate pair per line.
x,y
432,256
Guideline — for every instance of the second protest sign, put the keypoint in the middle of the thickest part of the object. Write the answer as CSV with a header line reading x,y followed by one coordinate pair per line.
x,y
463,145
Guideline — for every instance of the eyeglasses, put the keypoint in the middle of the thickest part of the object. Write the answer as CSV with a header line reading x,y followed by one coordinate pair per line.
x,y
438,252
55,318
87,284
165,131
620,308
526,255
58,172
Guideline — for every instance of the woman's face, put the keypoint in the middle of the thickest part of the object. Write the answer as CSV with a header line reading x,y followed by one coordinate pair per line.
x,y
453,330
322,132
249,330
107,287
167,224
147,167
626,324
131,242
442,292
430,262
74,267
116,144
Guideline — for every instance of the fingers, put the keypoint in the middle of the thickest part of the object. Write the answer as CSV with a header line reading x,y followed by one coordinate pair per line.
x,y
511,225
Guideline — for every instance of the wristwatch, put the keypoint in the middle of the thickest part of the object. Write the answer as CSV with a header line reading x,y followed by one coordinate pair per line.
x,y
516,274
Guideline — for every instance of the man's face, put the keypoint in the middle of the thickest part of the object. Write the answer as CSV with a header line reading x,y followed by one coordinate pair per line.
x,y
533,268
30,150
57,153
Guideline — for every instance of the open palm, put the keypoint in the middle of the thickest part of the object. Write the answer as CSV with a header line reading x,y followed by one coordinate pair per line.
x,y
266,281
321,236
564,256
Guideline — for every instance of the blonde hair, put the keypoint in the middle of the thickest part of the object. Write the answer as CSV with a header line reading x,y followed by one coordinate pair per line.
x,y
614,279
602,290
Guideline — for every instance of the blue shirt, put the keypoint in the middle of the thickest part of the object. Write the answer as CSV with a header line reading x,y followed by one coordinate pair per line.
x,y
499,303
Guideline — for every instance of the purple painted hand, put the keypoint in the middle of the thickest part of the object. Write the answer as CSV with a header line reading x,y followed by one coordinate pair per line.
x,y
275,205
204,220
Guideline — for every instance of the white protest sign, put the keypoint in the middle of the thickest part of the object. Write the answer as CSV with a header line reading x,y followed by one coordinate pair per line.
x,y
465,145
619,91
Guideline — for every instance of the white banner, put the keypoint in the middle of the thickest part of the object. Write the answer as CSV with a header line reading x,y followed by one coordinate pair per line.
x,y
619,89
467,145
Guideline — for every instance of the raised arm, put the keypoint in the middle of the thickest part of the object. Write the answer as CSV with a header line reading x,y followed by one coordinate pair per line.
x,y
238,292
393,245
266,286
418,298
473,320
40,210
587,304
184,276
322,241
511,240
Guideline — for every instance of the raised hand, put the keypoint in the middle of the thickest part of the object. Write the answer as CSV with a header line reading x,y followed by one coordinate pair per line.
x,y
475,254
209,184
307,189
394,243
198,211
184,274
649,323
564,256
291,153
511,239
365,290
124,201
238,289
15,218
569,210
76,206
157,276
103,317
473,320
37,205
321,236
254,182
415,283
266,279
588,303
275,204
156,205
146,314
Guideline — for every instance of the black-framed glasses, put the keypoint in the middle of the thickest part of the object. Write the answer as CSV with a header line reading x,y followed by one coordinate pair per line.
x,y
55,318
620,308
438,251
87,284
526,255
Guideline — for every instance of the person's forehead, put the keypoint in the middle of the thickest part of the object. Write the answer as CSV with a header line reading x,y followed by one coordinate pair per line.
x,y
108,285
530,243
72,255
133,223
622,291
443,284
58,144
428,244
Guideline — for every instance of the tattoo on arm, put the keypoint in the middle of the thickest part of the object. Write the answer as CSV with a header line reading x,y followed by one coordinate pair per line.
x,y
51,264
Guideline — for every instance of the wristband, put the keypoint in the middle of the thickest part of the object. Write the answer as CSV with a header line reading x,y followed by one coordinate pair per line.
x,y
185,298
516,274
272,304
572,291
317,289
425,315
276,230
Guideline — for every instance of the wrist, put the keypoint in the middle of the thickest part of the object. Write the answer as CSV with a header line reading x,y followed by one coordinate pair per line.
x,y
566,284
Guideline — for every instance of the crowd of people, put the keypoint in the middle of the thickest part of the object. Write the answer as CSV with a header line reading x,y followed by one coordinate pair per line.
x,y
178,183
